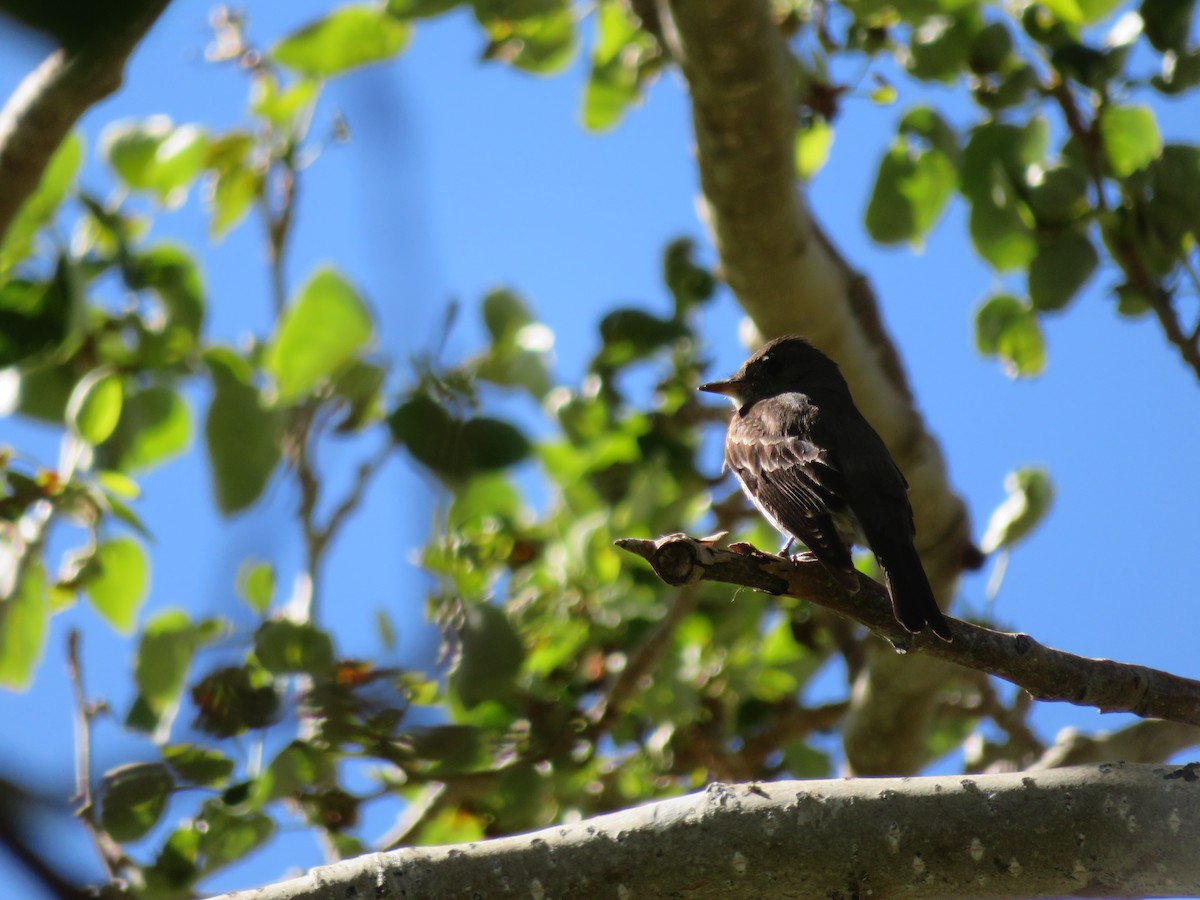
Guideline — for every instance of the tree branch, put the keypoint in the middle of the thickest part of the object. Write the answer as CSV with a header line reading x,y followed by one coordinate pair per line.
x,y
1149,741
48,103
1111,830
1044,672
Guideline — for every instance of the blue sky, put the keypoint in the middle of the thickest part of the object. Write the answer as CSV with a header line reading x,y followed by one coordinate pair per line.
x,y
462,176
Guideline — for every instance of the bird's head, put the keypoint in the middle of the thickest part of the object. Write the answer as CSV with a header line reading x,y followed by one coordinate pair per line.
x,y
784,365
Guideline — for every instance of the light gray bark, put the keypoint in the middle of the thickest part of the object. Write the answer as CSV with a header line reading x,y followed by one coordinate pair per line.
x,y
1111,830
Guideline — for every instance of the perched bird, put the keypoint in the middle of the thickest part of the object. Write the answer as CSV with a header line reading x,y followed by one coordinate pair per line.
x,y
820,473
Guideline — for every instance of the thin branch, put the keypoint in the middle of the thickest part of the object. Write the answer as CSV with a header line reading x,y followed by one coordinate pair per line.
x,y
366,474
1046,673
109,853
51,99
279,228
1125,250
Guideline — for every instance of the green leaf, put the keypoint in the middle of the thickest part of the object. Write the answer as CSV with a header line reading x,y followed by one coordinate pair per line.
x,y
490,657
994,170
631,334
1059,197
615,76
493,444
1167,23
452,448
35,317
170,271
811,148
242,436
421,9
348,37
154,155
297,766
1131,138
228,703
689,282
1132,301
1063,265
284,647
910,194
227,837
1030,496
39,207
485,497
542,41
95,405
198,765
1000,232
179,159
504,314
24,616
939,48
451,748
121,582
322,332
991,49
256,584
133,798
130,147
281,105
1008,328
155,425
234,192
999,155
164,656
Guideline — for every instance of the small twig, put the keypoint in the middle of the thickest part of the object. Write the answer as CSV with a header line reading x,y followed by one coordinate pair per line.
x,y
317,537
367,471
1044,672
279,227
303,437
1125,252
109,853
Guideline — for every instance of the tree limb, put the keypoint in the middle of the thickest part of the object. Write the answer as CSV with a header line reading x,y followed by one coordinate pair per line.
x,y
1044,672
50,100
1111,830
1149,741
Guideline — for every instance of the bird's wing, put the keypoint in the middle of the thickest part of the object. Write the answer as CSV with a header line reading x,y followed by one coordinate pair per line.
x,y
789,479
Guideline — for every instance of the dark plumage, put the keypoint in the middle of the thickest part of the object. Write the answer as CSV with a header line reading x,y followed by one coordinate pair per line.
x,y
818,472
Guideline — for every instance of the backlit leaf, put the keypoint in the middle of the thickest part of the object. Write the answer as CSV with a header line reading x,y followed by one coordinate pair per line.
x,y
348,37
121,583
322,332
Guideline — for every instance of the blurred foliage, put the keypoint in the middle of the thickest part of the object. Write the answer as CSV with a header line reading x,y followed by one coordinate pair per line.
x,y
571,681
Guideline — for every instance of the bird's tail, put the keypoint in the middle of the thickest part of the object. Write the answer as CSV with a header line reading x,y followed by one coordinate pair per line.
x,y
912,597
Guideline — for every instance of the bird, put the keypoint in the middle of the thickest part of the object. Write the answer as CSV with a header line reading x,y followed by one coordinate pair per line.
x,y
819,473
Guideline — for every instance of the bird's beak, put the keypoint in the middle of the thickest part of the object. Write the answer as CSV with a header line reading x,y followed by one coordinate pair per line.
x,y
729,387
